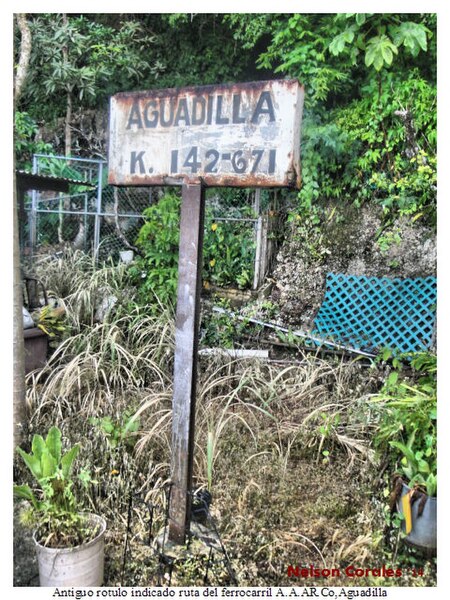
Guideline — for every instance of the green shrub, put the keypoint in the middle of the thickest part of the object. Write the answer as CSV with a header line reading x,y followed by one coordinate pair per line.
x,y
406,432
228,252
156,271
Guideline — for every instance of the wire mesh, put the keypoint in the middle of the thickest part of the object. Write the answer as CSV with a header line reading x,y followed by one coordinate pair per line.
x,y
212,561
106,220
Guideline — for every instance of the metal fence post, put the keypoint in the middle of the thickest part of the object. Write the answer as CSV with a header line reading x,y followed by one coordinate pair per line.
x,y
98,210
257,205
33,213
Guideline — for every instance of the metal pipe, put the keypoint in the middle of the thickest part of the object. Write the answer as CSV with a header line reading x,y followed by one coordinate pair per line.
x,y
297,333
257,265
89,213
71,158
98,211
34,196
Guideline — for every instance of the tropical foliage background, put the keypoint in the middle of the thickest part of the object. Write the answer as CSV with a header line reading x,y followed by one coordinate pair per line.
x,y
369,131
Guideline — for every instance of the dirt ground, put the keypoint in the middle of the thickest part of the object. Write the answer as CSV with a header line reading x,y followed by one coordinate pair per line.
x,y
337,528
25,562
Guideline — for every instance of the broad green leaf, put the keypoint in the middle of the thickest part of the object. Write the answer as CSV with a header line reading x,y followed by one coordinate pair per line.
x,y
412,438
411,35
424,467
387,353
32,462
408,453
393,378
380,50
431,484
53,443
67,460
48,463
337,45
387,54
37,445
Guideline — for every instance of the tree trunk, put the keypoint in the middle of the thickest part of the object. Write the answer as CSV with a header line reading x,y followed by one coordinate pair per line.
x,y
24,59
68,119
19,406
67,137
68,128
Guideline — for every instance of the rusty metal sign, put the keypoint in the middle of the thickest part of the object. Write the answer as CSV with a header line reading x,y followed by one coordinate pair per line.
x,y
240,135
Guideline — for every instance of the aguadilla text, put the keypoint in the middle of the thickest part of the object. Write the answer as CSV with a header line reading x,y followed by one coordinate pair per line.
x,y
218,109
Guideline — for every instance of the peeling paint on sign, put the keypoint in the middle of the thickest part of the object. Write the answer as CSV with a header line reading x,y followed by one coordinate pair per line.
x,y
244,135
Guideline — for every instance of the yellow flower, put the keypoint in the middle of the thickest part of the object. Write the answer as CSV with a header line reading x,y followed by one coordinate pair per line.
x,y
212,262
206,284
214,226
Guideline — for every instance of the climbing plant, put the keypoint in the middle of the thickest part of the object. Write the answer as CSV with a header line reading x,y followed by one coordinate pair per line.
x,y
369,131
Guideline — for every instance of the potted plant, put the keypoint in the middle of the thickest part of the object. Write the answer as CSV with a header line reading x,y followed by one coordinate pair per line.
x,y
69,542
406,437
414,496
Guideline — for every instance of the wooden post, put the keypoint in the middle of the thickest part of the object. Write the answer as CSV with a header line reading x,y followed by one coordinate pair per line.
x,y
185,370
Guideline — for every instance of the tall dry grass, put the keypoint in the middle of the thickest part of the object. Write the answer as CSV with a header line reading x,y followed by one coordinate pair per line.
x,y
258,425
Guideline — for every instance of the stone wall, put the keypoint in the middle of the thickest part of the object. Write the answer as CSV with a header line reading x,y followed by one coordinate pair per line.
x,y
353,242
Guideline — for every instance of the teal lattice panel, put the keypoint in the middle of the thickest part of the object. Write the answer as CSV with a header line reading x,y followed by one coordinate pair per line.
x,y
369,313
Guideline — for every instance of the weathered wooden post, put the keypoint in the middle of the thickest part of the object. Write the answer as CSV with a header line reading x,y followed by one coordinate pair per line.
x,y
185,369
241,135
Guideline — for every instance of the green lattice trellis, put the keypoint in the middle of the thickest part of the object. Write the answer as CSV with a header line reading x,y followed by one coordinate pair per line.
x,y
369,313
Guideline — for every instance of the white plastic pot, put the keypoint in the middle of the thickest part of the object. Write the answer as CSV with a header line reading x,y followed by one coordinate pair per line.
x,y
423,532
126,256
77,566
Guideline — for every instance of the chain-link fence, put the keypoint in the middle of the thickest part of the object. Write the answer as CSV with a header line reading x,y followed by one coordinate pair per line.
x,y
93,217
105,220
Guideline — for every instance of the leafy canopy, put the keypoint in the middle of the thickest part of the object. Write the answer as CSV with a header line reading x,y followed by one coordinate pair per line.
x,y
369,132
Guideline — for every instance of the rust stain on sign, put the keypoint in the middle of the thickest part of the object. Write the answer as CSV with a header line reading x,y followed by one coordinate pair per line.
x,y
241,135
